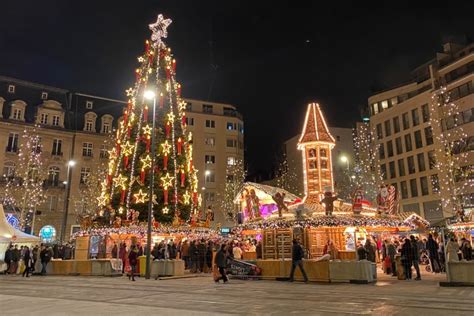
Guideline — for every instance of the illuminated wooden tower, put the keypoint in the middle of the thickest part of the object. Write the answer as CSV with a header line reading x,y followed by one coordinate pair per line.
x,y
316,143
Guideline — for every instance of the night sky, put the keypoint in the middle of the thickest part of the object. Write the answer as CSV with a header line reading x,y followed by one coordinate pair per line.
x,y
268,58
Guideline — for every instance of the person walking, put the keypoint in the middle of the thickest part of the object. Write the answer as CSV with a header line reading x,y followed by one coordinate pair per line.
x,y
185,254
370,248
193,256
221,262
15,260
114,251
297,260
123,255
34,257
202,249
407,259
415,256
27,260
133,260
361,253
45,256
432,247
8,258
391,253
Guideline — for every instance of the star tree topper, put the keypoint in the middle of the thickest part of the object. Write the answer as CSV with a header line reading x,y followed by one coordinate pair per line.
x,y
159,29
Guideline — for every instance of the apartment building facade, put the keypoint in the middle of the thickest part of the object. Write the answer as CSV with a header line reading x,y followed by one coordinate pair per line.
x,y
406,129
78,127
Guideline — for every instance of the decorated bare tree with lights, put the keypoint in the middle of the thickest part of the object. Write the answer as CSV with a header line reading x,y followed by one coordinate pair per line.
x,y
24,188
452,152
135,164
234,182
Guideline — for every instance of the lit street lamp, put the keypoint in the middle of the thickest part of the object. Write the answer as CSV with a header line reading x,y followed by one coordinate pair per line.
x,y
150,95
70,164
345,160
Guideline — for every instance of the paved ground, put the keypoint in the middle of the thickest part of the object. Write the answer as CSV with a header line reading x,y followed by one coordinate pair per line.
x,y
201,296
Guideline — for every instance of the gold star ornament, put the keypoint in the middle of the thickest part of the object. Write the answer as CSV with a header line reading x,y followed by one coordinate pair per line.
x,y
146,162
140,197
167,181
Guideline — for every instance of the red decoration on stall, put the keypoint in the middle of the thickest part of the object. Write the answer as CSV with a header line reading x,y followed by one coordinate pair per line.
x,y
180,145
125,162
118,147
168,129
147,140
162,100
109,179
147,45
142,175
195,197
125,116
165,195
122,196
183,120
168,72
165,162
178,90
137,74
174,65
145,113
183,177
129,130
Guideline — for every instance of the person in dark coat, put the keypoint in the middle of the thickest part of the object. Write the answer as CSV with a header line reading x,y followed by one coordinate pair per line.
x,y
34,257
415,256
221,262
16,255
193,255
391,252
209,256
133,260
185,253
27,260
297,260
114,251
45,256
407,258
361,252
55,251
8,258
258,249
370,249
202,249
432,247
466,249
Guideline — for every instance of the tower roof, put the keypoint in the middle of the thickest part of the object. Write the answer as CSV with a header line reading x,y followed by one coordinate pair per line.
x,y
315,128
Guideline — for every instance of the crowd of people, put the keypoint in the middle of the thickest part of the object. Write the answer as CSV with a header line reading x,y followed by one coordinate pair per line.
x,y
22,260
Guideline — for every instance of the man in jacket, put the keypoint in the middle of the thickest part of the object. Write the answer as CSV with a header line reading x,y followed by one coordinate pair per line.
x,y
415,256
297,260
221,262
185,253
8,258
45,256
432,247
391,252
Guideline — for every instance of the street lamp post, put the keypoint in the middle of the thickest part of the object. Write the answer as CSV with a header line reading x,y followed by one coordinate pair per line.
x,y
345,160
70,164
150,95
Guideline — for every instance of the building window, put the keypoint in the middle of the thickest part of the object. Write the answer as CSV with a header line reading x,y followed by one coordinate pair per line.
x,y
396,124
241,128
405,121
411,165
44,95
87,149
424,186
44,118
375,108
324,164
106,127
435,183
391,168
104,153
17,114
231,161
210,141
415,117
210,123
429,135
413,188
323,153
431,159
210,159
12,145
57,150
53,176
189,106
404,189
408,146
384,104
425,112
9,169
210,177
379,131
89,105
56,120
388,130
88,127
11,89
190,121
231,143
338,138
207,108
382,151
398,145
231,126
390,148
383,171
401,167
209,196
421,162
85,172
418,140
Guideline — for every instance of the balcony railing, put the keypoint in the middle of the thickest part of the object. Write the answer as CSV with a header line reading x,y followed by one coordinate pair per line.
x,y
49,184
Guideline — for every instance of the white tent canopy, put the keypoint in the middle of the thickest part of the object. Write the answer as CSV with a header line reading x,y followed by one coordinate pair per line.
x,y
10,234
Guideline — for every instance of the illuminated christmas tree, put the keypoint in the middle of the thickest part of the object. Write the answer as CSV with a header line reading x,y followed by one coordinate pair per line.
x,y
24,189
452,152
135,165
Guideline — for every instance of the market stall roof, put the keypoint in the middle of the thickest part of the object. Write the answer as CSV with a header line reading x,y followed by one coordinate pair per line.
x,y
9,233
265,192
